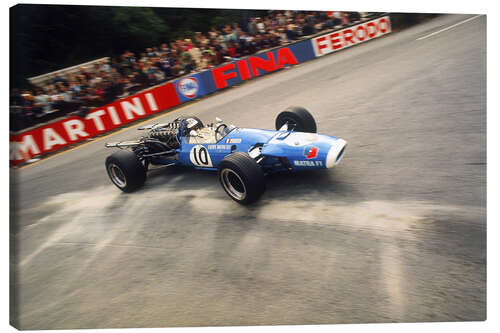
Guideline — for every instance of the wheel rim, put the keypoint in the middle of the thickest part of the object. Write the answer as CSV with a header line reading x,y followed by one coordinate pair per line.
x,y
117,176
233,184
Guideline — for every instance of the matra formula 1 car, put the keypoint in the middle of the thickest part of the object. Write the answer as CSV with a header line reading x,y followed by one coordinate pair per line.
x,y
241,156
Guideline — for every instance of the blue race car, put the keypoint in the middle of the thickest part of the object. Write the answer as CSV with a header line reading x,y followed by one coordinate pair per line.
x,y
241,156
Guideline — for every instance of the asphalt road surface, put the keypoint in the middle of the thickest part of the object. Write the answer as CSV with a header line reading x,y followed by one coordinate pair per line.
x,y
396,233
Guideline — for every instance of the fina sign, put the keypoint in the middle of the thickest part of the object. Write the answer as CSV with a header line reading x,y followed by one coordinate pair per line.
x,y
250,67
188,87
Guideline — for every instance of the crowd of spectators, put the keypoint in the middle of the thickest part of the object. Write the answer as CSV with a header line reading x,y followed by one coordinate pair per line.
x,y
106,81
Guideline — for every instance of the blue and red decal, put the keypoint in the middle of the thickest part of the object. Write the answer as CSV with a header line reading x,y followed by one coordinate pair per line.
x,y
311,152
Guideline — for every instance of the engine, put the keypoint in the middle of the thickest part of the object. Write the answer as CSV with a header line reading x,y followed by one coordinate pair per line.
x,y
164,135
167,136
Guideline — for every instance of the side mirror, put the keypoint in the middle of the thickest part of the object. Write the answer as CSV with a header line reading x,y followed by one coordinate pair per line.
x,y
193,133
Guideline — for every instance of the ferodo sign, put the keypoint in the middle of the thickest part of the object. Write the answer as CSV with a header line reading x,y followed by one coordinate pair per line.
x,y
56,135
74,129
356,34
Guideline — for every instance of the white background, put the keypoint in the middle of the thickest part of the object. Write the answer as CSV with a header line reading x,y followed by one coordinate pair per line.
x,y
427,6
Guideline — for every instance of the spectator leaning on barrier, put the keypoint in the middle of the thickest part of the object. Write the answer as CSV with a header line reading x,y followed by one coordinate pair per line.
x,y
236,31
106,80
252,26
261,26
309,23
42,101
15,97
291,31
195,54
186,62
206,59
28,113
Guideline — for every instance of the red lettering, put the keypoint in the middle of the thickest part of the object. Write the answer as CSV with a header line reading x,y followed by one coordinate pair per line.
x,y
285,56
74,129
348,38
243,69
220,77
132,106
23,147
335,41
383,28
362,29
320,46
259,63
114,115
374,29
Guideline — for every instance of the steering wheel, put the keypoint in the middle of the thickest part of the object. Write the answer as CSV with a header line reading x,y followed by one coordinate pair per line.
x,y
219,131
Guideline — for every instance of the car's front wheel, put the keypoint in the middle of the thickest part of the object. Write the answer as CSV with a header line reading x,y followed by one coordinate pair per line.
x,y
297,118
125,170
242,178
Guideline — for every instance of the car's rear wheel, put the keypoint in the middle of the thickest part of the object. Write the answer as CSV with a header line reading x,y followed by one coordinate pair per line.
x,y
241,178
125,170
297,118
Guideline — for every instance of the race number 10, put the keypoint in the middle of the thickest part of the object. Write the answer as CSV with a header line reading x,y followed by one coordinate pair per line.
x,y
199,156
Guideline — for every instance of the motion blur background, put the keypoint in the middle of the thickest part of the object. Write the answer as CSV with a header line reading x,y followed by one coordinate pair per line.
x,y
63,63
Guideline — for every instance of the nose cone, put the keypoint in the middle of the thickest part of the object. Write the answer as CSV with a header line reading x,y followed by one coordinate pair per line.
x,y
335,153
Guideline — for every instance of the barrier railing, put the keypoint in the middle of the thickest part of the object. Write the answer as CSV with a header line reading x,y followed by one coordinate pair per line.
x,y
41,79
57,135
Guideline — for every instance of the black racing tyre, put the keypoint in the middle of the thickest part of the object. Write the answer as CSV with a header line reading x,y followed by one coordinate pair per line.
x,y
298,119
241,177
125,170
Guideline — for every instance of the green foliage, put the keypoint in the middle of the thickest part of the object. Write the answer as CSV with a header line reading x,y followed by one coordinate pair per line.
x,y
45,38
139,26
219,21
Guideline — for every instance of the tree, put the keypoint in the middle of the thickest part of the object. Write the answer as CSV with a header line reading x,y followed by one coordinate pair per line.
x,y
45,38
138,28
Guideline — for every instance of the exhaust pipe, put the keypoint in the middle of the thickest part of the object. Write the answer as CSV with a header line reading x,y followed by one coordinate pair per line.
x,y
123,144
